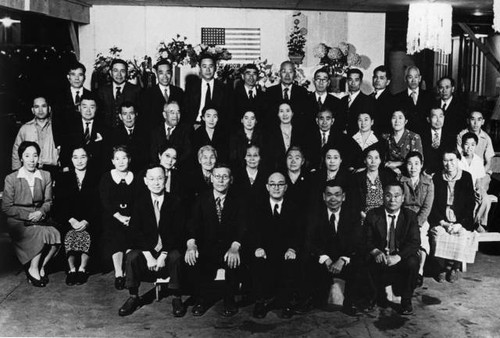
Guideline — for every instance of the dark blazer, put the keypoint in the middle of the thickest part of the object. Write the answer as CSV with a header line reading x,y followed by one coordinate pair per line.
x,y
433,158
463,203
274,150
251,192
299,191
181,139
407,232
238,143
109,107
298,101
359,188
220,141
143,228
322,240
417,114
314,150
318,180
242,104
137,144
455,115
153,101
348,116
331,103
382,112
212,237
221,100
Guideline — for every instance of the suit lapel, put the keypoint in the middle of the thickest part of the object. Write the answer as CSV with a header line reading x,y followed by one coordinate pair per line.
x,y
400,228
382,226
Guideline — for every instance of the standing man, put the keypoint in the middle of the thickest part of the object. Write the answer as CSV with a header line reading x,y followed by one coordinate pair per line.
x,y
248,96
156,238
384,100
392,241
153,99
452,106
320,100
113,95
216,231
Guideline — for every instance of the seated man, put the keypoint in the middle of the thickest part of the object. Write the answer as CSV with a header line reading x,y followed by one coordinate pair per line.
x,y
155,229
392,241
333,239
215,231
275,245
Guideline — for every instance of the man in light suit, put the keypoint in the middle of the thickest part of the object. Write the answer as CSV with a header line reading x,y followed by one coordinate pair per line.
x,y
120,90
155,239
392,240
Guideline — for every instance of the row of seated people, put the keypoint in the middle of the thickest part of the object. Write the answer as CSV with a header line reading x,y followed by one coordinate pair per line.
x,y
282,227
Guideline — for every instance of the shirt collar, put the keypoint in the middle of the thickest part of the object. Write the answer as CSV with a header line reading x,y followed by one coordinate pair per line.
x,y
116,177
163,88
157,198
322,96
354,95
74,90
279,203
122,86
337,214
204,83
219,195
411,91
23,173
447,101
394,214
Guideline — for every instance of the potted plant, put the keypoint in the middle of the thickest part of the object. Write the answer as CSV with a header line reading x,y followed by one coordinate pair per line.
x,y
296,43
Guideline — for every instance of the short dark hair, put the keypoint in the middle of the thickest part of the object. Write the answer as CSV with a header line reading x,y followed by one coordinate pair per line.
x,y
367,113
355,71
128,104
336,182
414,154
323,110
435,107
165,146
295,148
384,69
402,110
452,81
451,150
252,145
370,149
469,135
26,144
117,61
472,111
162,62
222,165
288,62
204,56
153,165
284,102
89,96
41,96
120,147
329,147
76,65
394,183
321,70
248,66
207,108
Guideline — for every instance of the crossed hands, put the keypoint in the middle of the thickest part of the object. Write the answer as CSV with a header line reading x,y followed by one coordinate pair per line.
x,y
388,260
155,264
335,267
35,216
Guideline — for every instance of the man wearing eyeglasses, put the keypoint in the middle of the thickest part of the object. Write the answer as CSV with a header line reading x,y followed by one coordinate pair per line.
x,y
392,241
215,231
275,245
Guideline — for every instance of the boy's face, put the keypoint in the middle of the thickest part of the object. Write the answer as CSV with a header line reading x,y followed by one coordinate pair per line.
x,y
476,121
469,146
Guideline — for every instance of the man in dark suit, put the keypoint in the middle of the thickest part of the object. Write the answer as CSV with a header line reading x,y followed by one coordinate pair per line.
x,y
320,100
286,91
153,99
66,102
206,91
392,239
133,135
353,103
333,239
384,100
177,134
275,244
248,96
452,106
155,240
112,95
414,100
216,230
435,139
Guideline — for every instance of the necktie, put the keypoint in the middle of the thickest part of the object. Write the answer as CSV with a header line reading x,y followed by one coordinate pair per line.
x,y
165,95
130,133
392,235
77,98
156,205
435,140
208,96
320,104
169,132
414,97
443,107
374,95
250,94
118,93
86,133
349,100
323,139
218,206
332,223
275,210
285,94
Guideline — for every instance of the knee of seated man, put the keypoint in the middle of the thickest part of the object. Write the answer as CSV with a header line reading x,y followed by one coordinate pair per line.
x,y
173,256
133,255
411,261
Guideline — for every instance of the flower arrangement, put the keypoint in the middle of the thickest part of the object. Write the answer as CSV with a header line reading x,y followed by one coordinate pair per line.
x,y
102,63
216,52
300,78
338,59
297,41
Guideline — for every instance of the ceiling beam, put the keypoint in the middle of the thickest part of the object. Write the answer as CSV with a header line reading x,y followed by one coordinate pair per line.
x,y
72,10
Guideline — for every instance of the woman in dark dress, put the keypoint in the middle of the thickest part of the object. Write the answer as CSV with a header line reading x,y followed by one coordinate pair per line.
x,y
116,190
251,180
77,210
297,178
211,133
198,180
248,134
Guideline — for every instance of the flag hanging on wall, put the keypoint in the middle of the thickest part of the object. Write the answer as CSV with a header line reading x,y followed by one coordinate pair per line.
x,y
242,43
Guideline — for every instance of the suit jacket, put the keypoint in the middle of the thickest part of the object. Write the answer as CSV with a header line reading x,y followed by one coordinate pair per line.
x,y
417,114
109,107
251,192
433,158
137,144
242,104
348,116
407,232
221,100
238,145
212,237
180,138
298,101
220,141
299,191
275,150
144,230
455,115
331,103
314,150
153,101
382,112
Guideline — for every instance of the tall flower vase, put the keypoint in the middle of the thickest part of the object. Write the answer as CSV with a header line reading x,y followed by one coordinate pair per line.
x,y
297,59
337,83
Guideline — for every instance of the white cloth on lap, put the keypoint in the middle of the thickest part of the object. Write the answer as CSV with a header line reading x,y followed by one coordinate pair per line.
x,y
461,247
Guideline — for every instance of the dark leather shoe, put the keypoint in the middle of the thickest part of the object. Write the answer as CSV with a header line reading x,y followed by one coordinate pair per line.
x,y
199,309
451,276
119,283
349,309
44,279
287,312
420,281
71,278
230,308
130,306
81,277
406,307
33,281
304,307
178,308
259,310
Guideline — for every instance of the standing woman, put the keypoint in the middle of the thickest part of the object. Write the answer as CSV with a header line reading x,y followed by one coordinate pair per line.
x,y
419,197
116,190
77,210
400,142
245,136
27,200
452,216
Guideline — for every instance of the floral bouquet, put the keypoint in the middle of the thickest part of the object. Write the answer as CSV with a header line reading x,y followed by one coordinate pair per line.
x,y
102,64
297,41
216,52
338,59
177,51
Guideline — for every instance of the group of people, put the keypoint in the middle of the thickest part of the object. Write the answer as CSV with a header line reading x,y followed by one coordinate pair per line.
x,y
284,189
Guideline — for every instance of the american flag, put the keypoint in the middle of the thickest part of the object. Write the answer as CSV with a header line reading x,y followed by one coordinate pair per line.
x,y
242,43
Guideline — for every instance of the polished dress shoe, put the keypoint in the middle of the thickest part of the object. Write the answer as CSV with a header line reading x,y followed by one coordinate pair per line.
x,y
71,278
199,309
119,283
81,277
420,281
178,308
44,279
259,310
287,312
406,307
349,309
230,308
130,306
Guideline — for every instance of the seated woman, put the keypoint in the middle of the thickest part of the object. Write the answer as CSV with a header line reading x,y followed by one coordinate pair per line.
x,y
248,134
365,138
297,178
251,180
26,201
210,133
77,210
168,159
368,186
451,216
474,165
400,142
117,190
419,196
198,179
